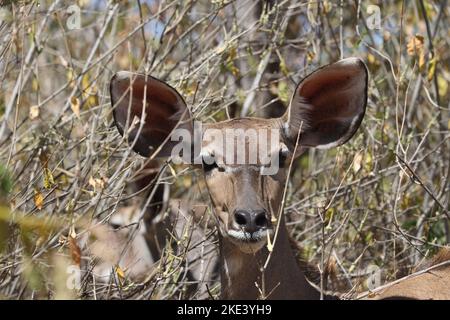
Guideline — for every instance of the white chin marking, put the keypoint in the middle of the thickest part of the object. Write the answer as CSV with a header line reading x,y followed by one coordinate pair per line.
x,y
248,243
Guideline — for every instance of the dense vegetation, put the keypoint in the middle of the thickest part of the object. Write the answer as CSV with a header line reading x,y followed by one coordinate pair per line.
x,y
381,200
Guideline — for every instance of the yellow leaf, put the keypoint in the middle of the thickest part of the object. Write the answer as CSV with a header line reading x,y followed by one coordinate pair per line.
x,y
431,68
34,112
327,6
71,77
329,217
120,273
92,101
357,162
48,178
35,85
443,86
82,3
38,199
89,90
283,66
283,92
371,58
75,106
97,183
421,59
416,48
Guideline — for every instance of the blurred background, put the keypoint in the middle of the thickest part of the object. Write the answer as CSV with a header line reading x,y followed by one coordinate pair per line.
x,y
82,216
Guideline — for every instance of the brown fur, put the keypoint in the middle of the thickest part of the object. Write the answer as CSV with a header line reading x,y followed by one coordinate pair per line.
x,y
427,283
441,256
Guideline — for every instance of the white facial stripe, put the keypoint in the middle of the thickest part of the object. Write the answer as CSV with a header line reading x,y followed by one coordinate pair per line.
x,y
229,169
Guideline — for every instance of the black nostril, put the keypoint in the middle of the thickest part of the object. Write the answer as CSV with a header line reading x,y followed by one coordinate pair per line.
x,y
251,220
261,219
240,218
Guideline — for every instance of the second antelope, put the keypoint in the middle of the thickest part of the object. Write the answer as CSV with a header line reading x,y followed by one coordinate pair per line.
x,y
325,111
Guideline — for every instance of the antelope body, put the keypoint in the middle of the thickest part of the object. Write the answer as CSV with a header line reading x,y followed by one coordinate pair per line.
x,y
430,281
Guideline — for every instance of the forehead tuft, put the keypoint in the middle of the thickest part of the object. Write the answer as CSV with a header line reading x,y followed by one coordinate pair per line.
x,y
242,141
243,123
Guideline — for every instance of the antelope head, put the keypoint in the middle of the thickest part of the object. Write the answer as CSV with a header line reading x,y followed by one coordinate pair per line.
x,y
246,160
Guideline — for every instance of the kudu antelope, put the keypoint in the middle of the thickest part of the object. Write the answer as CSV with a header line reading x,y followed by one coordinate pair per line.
x,y
256,259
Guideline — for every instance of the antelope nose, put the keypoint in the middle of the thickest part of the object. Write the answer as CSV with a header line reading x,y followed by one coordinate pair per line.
x,y
251,220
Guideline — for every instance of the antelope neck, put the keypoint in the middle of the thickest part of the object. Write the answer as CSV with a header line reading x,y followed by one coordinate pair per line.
x,y
243,275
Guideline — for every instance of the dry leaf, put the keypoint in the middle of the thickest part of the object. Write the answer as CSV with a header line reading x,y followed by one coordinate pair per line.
x,y
97,183
75,106
73,234
38,199
415,48
34,112
75,251
357,162
415,45
43,158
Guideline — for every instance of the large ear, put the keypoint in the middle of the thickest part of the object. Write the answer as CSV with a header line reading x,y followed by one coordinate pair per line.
x,y
328,105
163,107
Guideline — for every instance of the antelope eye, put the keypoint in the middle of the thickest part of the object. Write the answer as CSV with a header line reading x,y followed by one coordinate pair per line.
x,y
209,164
282,158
